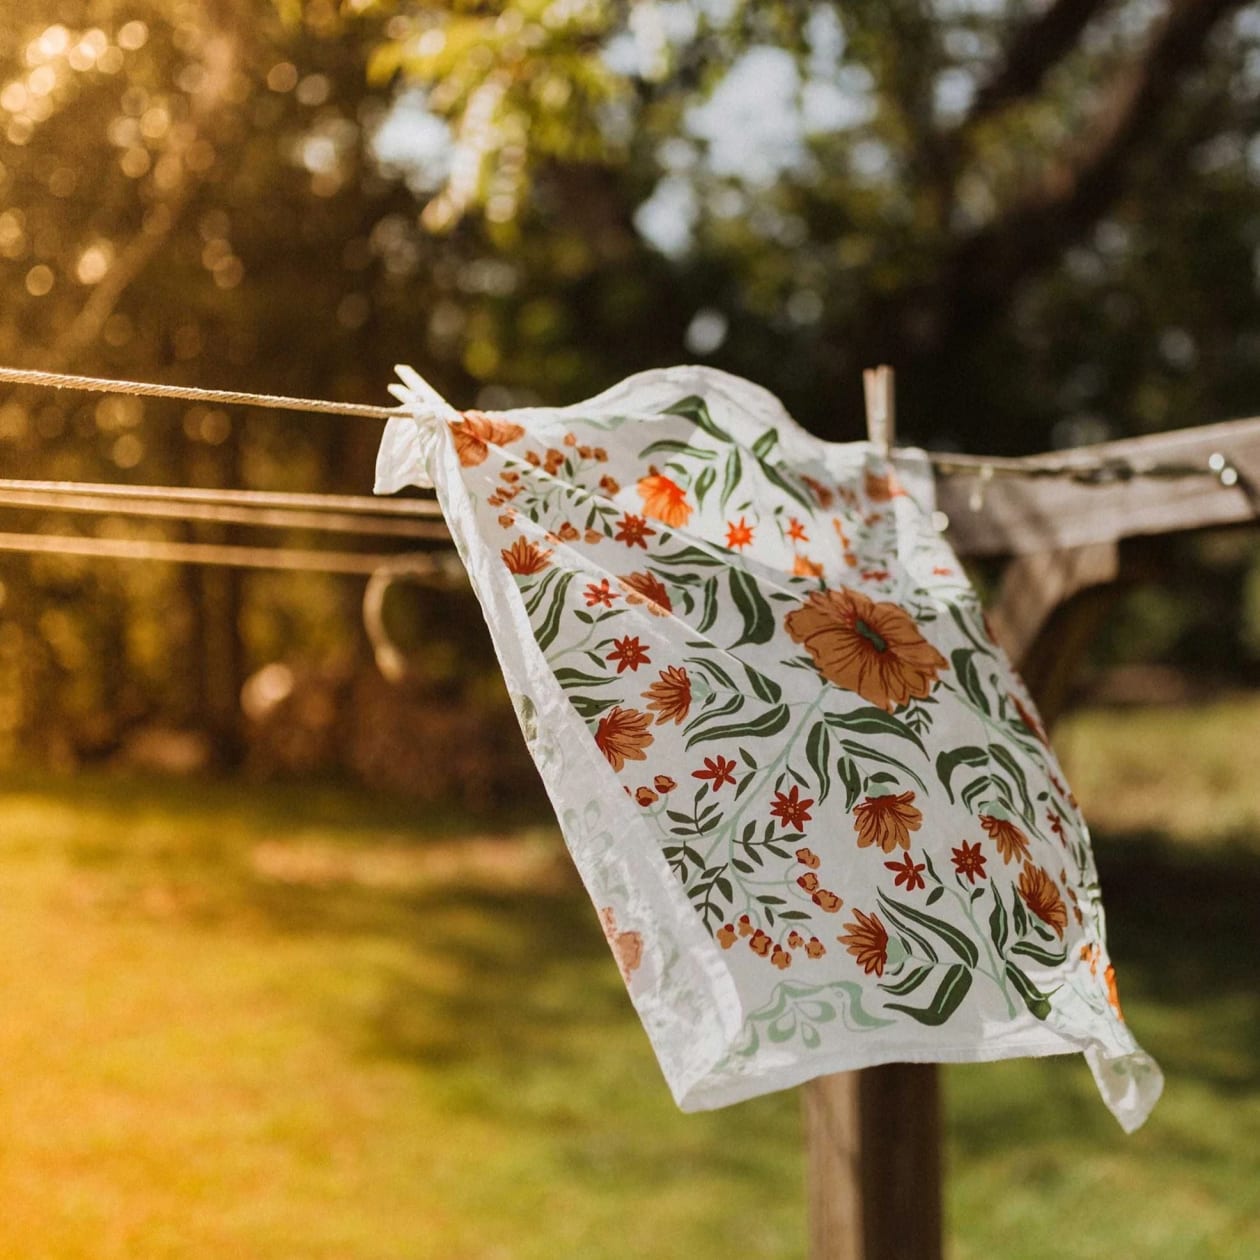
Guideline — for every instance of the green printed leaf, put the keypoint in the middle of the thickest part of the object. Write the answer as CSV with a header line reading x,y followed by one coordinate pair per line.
x,y
851,777
734,472
709,614
962,945
763,687
908,983
873,721
866,753
704,482
769,723
576,678
546,633
689,555
948,762
1030,949
589,707
773,475
999,924
817,752
672,446
1003,756
752,607
948,998
969,676
1036,1001
765,443
695,409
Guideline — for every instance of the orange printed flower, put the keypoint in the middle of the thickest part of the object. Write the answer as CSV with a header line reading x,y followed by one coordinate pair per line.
x,y
781,958
645,796
622,735
969,861
745,925
796,531
553,460
627,947
609,485
669,697
803,566
874,649
1091,954
477,432
883,486
909,872
647,586
663,783
629,654
524,557
795,939
1113,995
875,575
664,500
632,530
808,881
807,857
815,948
726,936
1055,821
822,495
738,534
718,770
508,519
866,939
568,532
1041,896
1011,843
886,821
570,439
790,810
760,943
826,900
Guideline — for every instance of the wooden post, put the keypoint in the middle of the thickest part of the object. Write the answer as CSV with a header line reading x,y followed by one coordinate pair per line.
x,y
873,1138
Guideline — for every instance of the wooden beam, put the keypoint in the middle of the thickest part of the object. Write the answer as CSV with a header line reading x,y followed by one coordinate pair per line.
x,y
1002,515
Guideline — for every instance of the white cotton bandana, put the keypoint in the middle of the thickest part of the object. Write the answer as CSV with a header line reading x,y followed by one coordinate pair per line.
x,y
812,801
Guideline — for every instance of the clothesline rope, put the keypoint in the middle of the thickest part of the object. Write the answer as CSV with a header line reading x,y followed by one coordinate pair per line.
x,y
1073,468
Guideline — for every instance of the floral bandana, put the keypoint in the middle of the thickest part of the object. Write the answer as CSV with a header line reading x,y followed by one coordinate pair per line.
x,y
809,796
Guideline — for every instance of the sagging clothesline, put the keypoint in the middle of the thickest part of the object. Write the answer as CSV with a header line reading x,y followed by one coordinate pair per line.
x,y
1079,467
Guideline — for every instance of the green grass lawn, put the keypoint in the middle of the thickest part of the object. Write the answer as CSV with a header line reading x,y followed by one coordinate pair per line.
x,y
282,1024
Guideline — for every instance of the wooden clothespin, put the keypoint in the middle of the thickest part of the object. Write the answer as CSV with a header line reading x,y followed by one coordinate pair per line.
x,y
880,411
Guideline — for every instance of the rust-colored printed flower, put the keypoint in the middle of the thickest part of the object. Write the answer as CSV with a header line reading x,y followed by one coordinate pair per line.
x,y
815,948
669,697
969,861
664,500
1011,843
601,594
866,939
477,432
726,935
663,784
807,857
524,557
629,654
1041,896
826,900
873,649
809,881
639,587
908,872
781,958
790,810
717,770
886,821
645,796
759,943
633,530
622,735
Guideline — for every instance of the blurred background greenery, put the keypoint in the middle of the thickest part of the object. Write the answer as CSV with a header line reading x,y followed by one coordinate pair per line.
x,y
1044,215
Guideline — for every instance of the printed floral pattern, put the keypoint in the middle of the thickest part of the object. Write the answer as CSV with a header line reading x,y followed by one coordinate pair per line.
x,y
765,671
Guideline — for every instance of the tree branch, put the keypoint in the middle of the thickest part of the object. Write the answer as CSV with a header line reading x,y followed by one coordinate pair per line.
x,y
1035,48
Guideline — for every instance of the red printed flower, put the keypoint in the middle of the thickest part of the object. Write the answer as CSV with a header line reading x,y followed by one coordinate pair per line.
x,y
629,654
622,735
738,534
909,872
664,500
632,530
663,783
645,796
969,861
718,770
796,530
601,594
670,696
790,810
867,940
525,558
